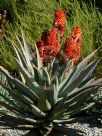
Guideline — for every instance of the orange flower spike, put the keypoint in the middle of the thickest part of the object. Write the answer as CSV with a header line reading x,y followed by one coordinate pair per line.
x,y
72,50
51,39
69,42
59,20
68,47
53,43
76,34
56,48
47,44
72,45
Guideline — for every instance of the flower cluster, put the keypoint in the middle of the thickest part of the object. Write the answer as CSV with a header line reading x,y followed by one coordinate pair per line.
x,y
72,45
50,40
49,44
59,21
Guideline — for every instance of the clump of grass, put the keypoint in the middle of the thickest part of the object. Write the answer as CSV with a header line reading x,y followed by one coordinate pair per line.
x,y
35,15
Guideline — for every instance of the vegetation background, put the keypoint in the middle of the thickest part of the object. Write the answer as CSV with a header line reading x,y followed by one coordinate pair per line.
x,y
36,15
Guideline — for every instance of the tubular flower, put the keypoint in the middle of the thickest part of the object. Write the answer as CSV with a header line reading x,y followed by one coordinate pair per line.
x,y
51,39
56,48
76,34
43,50
48,45
72,50
72,45
59,20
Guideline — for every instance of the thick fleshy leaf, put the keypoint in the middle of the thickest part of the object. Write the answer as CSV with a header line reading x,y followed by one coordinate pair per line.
x,y
11,102
39,61
72,85
86,81
76,72
11,117
26,47
80,109
56,91
82,65
37,112
66,80
57,115
19,85
58,110
32,84
26,55
54,68
51,95
18,100
46,76
89,85
43,103
10,108
61,72
13,124
79,99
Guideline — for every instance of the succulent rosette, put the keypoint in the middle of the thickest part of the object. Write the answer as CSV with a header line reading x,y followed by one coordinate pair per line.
x,y
53,88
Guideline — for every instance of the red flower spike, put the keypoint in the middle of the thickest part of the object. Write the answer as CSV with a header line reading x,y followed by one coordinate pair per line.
x,y
69,41
44,37
56,48
72,45
72,50
48,45
76,34
53,42
51,39
59,20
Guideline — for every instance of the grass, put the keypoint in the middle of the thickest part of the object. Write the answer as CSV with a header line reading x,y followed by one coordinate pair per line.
x,y
36,15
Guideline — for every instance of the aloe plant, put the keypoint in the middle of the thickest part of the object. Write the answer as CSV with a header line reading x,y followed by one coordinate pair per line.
x,y
53,89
